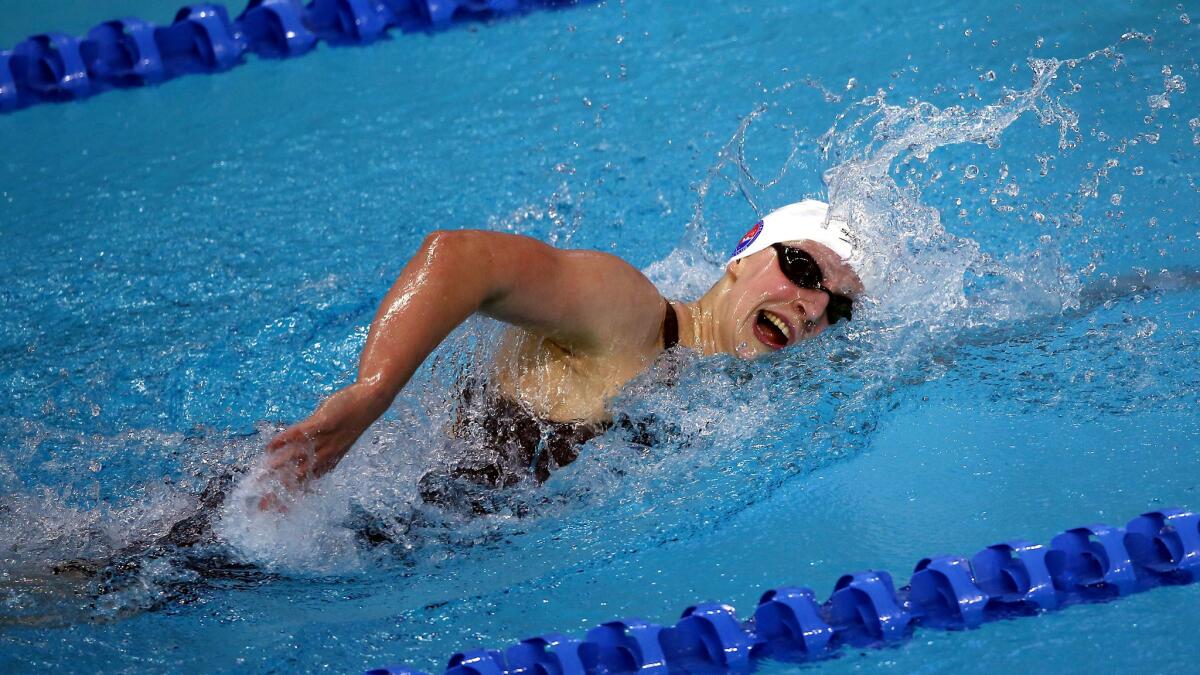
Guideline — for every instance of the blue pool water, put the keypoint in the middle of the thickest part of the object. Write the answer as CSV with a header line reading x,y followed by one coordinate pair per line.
x,y
190,266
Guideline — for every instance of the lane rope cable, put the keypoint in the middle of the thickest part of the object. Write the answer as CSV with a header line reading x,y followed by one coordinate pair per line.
x,y
1094,563
130,52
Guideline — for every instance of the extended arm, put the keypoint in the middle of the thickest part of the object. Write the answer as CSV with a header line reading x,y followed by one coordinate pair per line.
x,y
583,300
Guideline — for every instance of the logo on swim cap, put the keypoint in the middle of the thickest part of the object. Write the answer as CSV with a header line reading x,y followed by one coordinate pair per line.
x,y
748,238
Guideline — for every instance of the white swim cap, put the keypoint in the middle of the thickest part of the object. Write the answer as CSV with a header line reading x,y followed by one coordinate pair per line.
x,y
808,219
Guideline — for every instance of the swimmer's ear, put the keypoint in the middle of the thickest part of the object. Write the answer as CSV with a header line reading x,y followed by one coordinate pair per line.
x,y
734,267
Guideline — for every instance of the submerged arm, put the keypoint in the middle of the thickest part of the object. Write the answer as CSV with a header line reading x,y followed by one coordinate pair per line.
x,y
583,300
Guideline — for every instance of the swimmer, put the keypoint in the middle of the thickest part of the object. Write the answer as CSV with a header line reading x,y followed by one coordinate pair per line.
x,y
581,325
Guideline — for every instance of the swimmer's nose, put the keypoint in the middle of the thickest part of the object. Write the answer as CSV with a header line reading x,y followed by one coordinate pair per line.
x,y
812,307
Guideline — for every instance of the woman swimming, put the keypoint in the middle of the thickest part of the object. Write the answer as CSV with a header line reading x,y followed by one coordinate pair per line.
x,y
583,323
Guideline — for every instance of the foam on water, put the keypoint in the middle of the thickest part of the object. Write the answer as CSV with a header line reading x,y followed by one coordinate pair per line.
x,y
725,421
727,428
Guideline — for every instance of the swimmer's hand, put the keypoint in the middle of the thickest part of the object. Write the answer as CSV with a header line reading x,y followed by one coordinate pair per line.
x,y
309,449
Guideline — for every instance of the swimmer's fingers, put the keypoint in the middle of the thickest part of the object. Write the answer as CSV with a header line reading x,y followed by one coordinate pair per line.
x,y
293,446
297,433
285,474
292,466
285,457
271,502
291,459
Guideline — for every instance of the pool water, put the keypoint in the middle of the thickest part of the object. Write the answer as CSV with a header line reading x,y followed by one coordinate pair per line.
x,y
189,267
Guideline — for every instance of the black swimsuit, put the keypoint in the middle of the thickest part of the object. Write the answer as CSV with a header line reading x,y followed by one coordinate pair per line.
x,y
513,443
670,327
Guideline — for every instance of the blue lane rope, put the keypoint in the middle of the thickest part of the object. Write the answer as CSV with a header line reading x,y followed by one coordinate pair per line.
x,y
130,52
1015,578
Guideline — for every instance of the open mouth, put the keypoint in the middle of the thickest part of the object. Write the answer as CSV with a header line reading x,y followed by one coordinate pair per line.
x,y
772,330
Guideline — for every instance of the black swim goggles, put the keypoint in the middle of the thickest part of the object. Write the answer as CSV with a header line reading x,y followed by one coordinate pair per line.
x,y
800,269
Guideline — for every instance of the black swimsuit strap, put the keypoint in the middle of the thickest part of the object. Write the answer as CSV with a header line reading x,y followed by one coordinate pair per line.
x,y
670,327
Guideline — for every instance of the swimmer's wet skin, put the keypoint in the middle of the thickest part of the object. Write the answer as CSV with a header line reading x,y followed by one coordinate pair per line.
x,y
588,322
800,268
786,280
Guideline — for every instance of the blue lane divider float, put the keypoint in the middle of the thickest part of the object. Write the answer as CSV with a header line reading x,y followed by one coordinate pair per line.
x,y
130,52
1016,578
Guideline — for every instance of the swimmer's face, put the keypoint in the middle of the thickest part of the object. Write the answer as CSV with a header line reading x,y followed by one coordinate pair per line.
x,y
765,311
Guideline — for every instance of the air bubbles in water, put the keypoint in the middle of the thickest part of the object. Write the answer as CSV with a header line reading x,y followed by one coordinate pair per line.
x,y
928,286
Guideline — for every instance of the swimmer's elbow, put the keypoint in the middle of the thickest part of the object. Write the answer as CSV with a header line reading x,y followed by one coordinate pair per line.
x,y
467,258
509,277
438,242
444,250
456,242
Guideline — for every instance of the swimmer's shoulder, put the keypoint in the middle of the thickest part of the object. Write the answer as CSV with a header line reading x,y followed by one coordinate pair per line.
x,y
630,303
586,300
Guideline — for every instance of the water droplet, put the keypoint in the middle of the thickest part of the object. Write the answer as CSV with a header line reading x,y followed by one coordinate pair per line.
x,y
1115,200
970,172
1039,42
1137,170
967,32
1185,19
